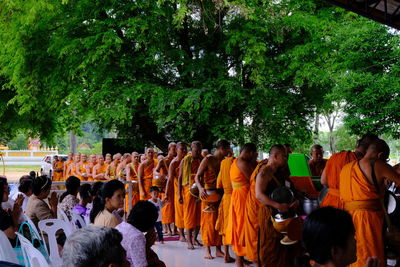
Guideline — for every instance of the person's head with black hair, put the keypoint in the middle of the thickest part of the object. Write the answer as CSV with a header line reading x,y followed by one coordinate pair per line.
x,y
41,186
110,197
4,190
143,216
154,192
328,237
96,189
72,185
85,194
32,174
26,185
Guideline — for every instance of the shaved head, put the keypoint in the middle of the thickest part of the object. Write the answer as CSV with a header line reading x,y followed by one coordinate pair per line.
x,y
248,147
172,144
277,149
379,146
223,144
316,147
366,140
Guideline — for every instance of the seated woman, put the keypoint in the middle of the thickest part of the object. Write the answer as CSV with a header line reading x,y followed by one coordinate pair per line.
x,y
110,199
9,219
68,199
328,237
37,209
142,218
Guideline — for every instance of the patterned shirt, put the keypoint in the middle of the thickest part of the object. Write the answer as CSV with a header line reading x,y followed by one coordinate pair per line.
x,y
68,204
134,242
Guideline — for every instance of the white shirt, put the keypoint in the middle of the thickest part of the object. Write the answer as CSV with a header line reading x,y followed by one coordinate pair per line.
x,y
159,206
134,242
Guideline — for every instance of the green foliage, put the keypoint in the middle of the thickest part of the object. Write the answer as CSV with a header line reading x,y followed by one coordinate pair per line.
x,y
159,71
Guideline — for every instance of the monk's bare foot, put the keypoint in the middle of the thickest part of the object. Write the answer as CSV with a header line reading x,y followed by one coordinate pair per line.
x,y
174,233
228,259
219,253
241,262
190,246
207,255
197,243
168,233
182,239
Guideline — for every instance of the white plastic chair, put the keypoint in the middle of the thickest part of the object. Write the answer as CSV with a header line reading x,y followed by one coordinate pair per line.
x,y
32,256
6,252
50,227
61,215
77,218
33,226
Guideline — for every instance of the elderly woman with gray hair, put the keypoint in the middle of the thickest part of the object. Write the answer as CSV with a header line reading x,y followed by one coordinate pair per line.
x,y
94,246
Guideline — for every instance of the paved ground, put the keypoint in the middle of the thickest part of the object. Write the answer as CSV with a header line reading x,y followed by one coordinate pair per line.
x,y
13,173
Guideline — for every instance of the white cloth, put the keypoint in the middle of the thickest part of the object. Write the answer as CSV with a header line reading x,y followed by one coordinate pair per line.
x,y
159,206
134,242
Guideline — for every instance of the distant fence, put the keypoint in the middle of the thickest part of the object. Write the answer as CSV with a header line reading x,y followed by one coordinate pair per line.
x,y
25,157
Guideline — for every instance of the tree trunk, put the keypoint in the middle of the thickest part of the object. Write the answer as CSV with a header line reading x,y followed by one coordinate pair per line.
x,y
72,142
316,128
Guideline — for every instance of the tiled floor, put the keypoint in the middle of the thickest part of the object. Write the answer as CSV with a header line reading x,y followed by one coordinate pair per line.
x,y
176,254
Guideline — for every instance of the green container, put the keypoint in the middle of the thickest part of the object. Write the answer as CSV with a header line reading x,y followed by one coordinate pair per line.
x,y
298,165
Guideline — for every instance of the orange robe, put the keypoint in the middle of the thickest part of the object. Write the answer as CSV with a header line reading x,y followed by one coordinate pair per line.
x,y
67,171
191,207
112,171
135,186
90,167
167,211
82,169
367,213
58,175
74,170
178,207
102,169
251,225
241,186
317,167
332,170
147,181
209,235
224,182
270,252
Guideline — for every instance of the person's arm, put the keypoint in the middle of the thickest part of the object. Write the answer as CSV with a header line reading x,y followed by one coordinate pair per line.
x,y
181,164
97,175
262,181
43,211
199,174
245,168
156,171
324,180
78,169
137,251
140,178
170,182
385,171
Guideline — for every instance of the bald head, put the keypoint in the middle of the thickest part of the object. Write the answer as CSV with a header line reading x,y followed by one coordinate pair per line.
x,y
364,142
248,147
317,152
277,149
379,148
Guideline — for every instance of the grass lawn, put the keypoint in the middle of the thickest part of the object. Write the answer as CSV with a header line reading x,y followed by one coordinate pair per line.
x,y
14,172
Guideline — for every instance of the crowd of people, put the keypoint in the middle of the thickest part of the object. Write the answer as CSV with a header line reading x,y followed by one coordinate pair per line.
x,y
226,200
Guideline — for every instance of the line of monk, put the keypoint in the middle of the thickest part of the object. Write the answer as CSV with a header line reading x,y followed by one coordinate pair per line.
x,y
233,205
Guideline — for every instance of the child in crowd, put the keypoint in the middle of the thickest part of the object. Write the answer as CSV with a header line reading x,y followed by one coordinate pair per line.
x,y
154,192
85,198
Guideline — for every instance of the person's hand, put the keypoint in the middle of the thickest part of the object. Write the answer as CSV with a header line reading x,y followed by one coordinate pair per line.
x,y
151,237
17,209
372,262
282,207
202,193
53,201
295,204
19,200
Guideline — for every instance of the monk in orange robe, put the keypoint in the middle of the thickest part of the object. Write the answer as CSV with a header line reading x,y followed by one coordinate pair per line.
x,y
161,171
145,173
111,172
172,186
270,251
224,183
240,173
89,167
209,170
132,175
250,228
331,175
121,167
108,159
66,170
99,170
361,195
57,169
73,167
191,207
81,168
317,163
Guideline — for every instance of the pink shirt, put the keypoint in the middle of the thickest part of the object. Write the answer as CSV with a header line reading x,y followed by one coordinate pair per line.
x,y
134,242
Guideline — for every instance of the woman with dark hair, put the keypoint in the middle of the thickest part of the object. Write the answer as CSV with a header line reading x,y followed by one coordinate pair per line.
x,y
37,209
109,200
142,218
68,199
85,198
9,219
328,237
96,187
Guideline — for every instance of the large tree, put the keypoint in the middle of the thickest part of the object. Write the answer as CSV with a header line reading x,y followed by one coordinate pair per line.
x,y
174,70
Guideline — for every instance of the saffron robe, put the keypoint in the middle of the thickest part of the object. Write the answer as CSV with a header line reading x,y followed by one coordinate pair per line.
x,y
191,206
147,181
